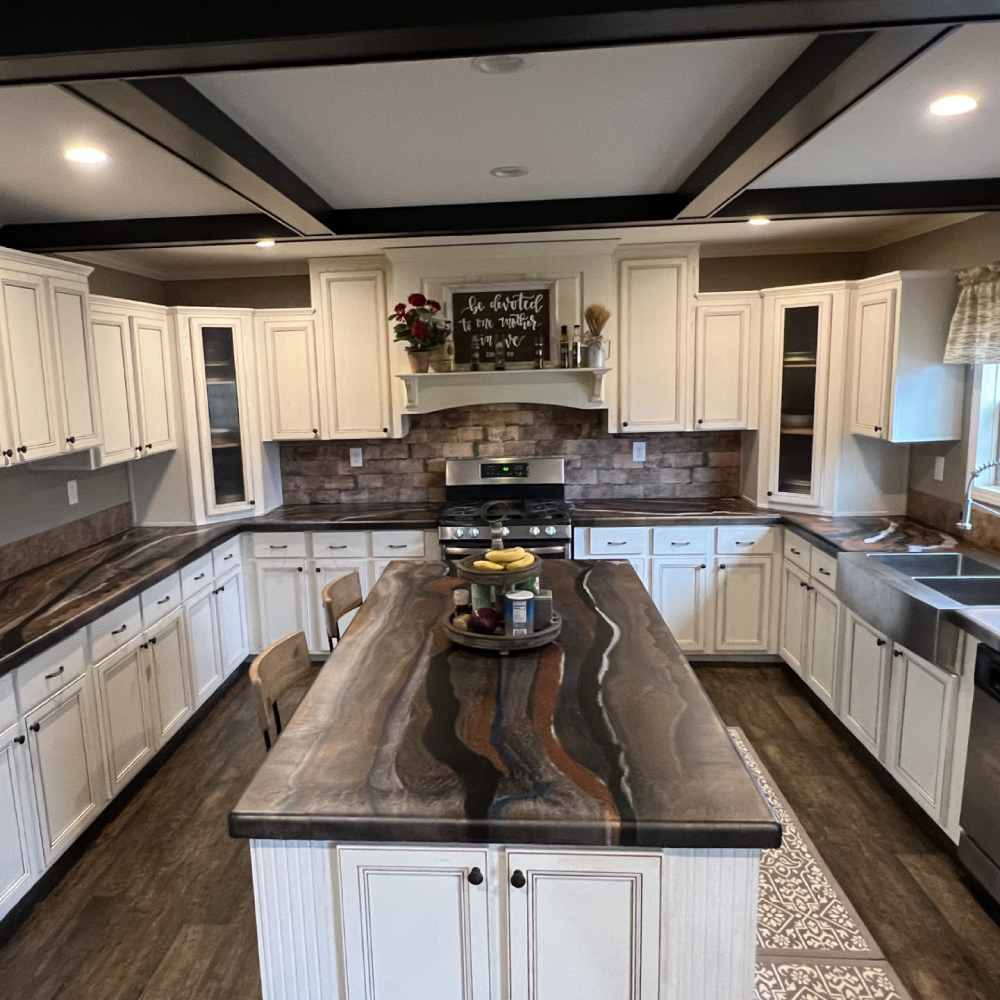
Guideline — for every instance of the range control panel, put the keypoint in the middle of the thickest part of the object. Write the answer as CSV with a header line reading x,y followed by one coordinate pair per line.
x,y
498,470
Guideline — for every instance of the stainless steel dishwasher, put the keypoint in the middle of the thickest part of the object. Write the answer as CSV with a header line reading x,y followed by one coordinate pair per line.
x,y
979,847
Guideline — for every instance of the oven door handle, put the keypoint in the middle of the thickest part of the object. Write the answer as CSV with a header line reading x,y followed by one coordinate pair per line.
x,y
457,551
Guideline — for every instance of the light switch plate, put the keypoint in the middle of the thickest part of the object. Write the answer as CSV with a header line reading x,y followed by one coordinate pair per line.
x,y
939,468
356,458
73,492
638,451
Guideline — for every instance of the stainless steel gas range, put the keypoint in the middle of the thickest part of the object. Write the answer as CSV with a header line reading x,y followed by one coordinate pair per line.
x,y
526,494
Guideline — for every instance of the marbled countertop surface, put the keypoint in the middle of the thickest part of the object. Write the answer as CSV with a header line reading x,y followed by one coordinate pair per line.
x,y
614,513
871,534
602,738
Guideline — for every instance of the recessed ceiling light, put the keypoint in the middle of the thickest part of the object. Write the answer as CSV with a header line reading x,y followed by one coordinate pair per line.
x,y
499,64
953,104
759,220
85,154
265,243
509,171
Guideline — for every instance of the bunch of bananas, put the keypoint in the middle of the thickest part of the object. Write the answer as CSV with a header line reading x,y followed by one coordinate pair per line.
x,y
515,558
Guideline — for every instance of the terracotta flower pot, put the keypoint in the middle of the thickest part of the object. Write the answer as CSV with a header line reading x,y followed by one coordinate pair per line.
x,y
419,361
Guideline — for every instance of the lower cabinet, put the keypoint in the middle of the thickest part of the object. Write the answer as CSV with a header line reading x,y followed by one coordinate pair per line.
x,y
202,624
170,687
682,594
743,604
66,766
821,665
230,600
866,682
794,629
18,865
282,598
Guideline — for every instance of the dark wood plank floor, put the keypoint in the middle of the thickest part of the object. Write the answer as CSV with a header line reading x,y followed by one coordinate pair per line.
x,y
908,891
161,905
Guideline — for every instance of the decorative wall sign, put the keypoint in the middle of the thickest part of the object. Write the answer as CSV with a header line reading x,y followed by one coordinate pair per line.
x,y
518,314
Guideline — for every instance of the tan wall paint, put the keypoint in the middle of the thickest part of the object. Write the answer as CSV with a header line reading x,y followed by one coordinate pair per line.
x,y
734,274
283,291
123,285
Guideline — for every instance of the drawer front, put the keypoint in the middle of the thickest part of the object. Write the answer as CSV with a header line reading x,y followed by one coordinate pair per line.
x,y
340,544
797,551
747,539
227,556
617,541
398,544
196,576
160,599
49,672
279,545
113,630
692,541
824,568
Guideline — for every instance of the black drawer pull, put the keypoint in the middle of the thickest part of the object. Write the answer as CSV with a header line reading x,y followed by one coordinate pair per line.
x,y
55,673
476,876
118,631
275,547
794,552
164,600
825,572
230,556
221,589
672,543
517,880
336,546
617,543
35,727
744,543
403,546
200,576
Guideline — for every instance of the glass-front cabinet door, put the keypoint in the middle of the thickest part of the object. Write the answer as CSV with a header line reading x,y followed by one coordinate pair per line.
x,y
221,417
799,410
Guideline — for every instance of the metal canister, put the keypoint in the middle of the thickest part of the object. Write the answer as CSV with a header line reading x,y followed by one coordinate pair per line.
x,y
542,605
520,612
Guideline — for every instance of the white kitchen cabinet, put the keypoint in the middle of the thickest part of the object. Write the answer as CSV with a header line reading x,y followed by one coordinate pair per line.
x,y
19,865
353,362
282,588
864,706
611,902
900,390
656,318
321,572
727,361
203,643
743,604
416,923
292,377
921,726
794,630
126,717
822,662
116,384
28,367
66,765
170,675
154,382
231,620
682,593
76,366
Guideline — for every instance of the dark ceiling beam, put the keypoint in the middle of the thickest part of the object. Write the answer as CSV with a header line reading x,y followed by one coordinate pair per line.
x,y
156,40
978,195
832,75
132,234
179,118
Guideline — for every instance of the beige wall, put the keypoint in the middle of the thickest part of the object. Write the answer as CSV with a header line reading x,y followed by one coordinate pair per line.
x,y
733,274
122,285
275,292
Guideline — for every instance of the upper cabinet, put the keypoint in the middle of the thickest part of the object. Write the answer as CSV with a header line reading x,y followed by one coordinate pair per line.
x,y
727,361
286,341
900,390
656,318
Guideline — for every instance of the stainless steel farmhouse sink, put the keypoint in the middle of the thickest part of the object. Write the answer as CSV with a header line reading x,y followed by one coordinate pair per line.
x,y
908,595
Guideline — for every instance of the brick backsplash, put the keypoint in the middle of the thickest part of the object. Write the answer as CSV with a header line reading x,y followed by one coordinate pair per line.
x,y
598,464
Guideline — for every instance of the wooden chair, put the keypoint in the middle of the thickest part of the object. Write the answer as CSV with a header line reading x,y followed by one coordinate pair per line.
x,y
339,597
282,665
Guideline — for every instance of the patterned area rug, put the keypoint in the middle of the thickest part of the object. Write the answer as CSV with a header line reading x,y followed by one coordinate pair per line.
x,y
811,943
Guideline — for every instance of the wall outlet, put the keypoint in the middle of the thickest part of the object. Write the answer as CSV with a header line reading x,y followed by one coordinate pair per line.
x,y
638,451
939,468
356,458
73,492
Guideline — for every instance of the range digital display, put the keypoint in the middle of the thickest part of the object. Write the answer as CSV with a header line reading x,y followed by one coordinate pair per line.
x,y
503,470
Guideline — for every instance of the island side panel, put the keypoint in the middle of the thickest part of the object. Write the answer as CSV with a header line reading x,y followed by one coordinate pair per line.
x,y
297,900
709,928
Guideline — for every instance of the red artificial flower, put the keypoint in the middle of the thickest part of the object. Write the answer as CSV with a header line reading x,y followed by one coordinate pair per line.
x,y
409,315
400,308
420,330
416,299
431,304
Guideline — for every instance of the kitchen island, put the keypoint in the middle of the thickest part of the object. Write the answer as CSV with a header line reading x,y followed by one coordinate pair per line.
x,y
564,823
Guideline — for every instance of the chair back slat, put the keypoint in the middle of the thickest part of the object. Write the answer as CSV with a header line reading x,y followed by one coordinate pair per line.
x,y
282,665
339,597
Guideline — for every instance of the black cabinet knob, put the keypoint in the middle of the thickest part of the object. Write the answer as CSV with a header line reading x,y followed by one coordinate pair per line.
x,y
385,430
23,449
71,440
517,880
316,431
19,739
35,726
476,876
253,503
149,447
878,430
624,423
8,453
152,641
897,652
700,421
722,565
880,642
769,493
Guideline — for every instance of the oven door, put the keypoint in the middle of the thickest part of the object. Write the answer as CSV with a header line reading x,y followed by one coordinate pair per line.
x,y
451,552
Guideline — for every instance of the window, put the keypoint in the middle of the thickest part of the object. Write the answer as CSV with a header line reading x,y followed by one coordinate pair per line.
x,y
984,432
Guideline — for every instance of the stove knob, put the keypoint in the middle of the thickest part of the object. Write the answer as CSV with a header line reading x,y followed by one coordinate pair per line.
x,y
473,532
459,532
550,530
506,531
535,530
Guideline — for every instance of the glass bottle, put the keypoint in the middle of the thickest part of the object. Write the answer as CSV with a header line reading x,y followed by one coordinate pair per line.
x,y
500,354
564,347
474,353
577,351
540,349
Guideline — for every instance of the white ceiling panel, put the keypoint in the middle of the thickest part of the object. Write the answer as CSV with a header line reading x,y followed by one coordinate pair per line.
x,y
589,123
140,180
891,136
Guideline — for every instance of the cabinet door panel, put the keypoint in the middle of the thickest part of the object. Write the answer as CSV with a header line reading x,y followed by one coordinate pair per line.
x,y
283,598
231,615
171,686
654,367
743,604
293,382
17,872
151,348
723,366
116,381
794,618
584,926
866,678
31,392
824,635
206,663
874,319
414,925
76,367
681,594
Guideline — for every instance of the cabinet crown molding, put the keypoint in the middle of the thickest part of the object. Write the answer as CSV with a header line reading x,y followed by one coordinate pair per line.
x,y
36,262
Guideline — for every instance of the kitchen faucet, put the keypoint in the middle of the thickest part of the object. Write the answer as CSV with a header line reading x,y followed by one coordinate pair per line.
x,y
966,523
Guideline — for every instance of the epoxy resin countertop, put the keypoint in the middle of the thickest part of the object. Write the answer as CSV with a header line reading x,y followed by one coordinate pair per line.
x,y
603,738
